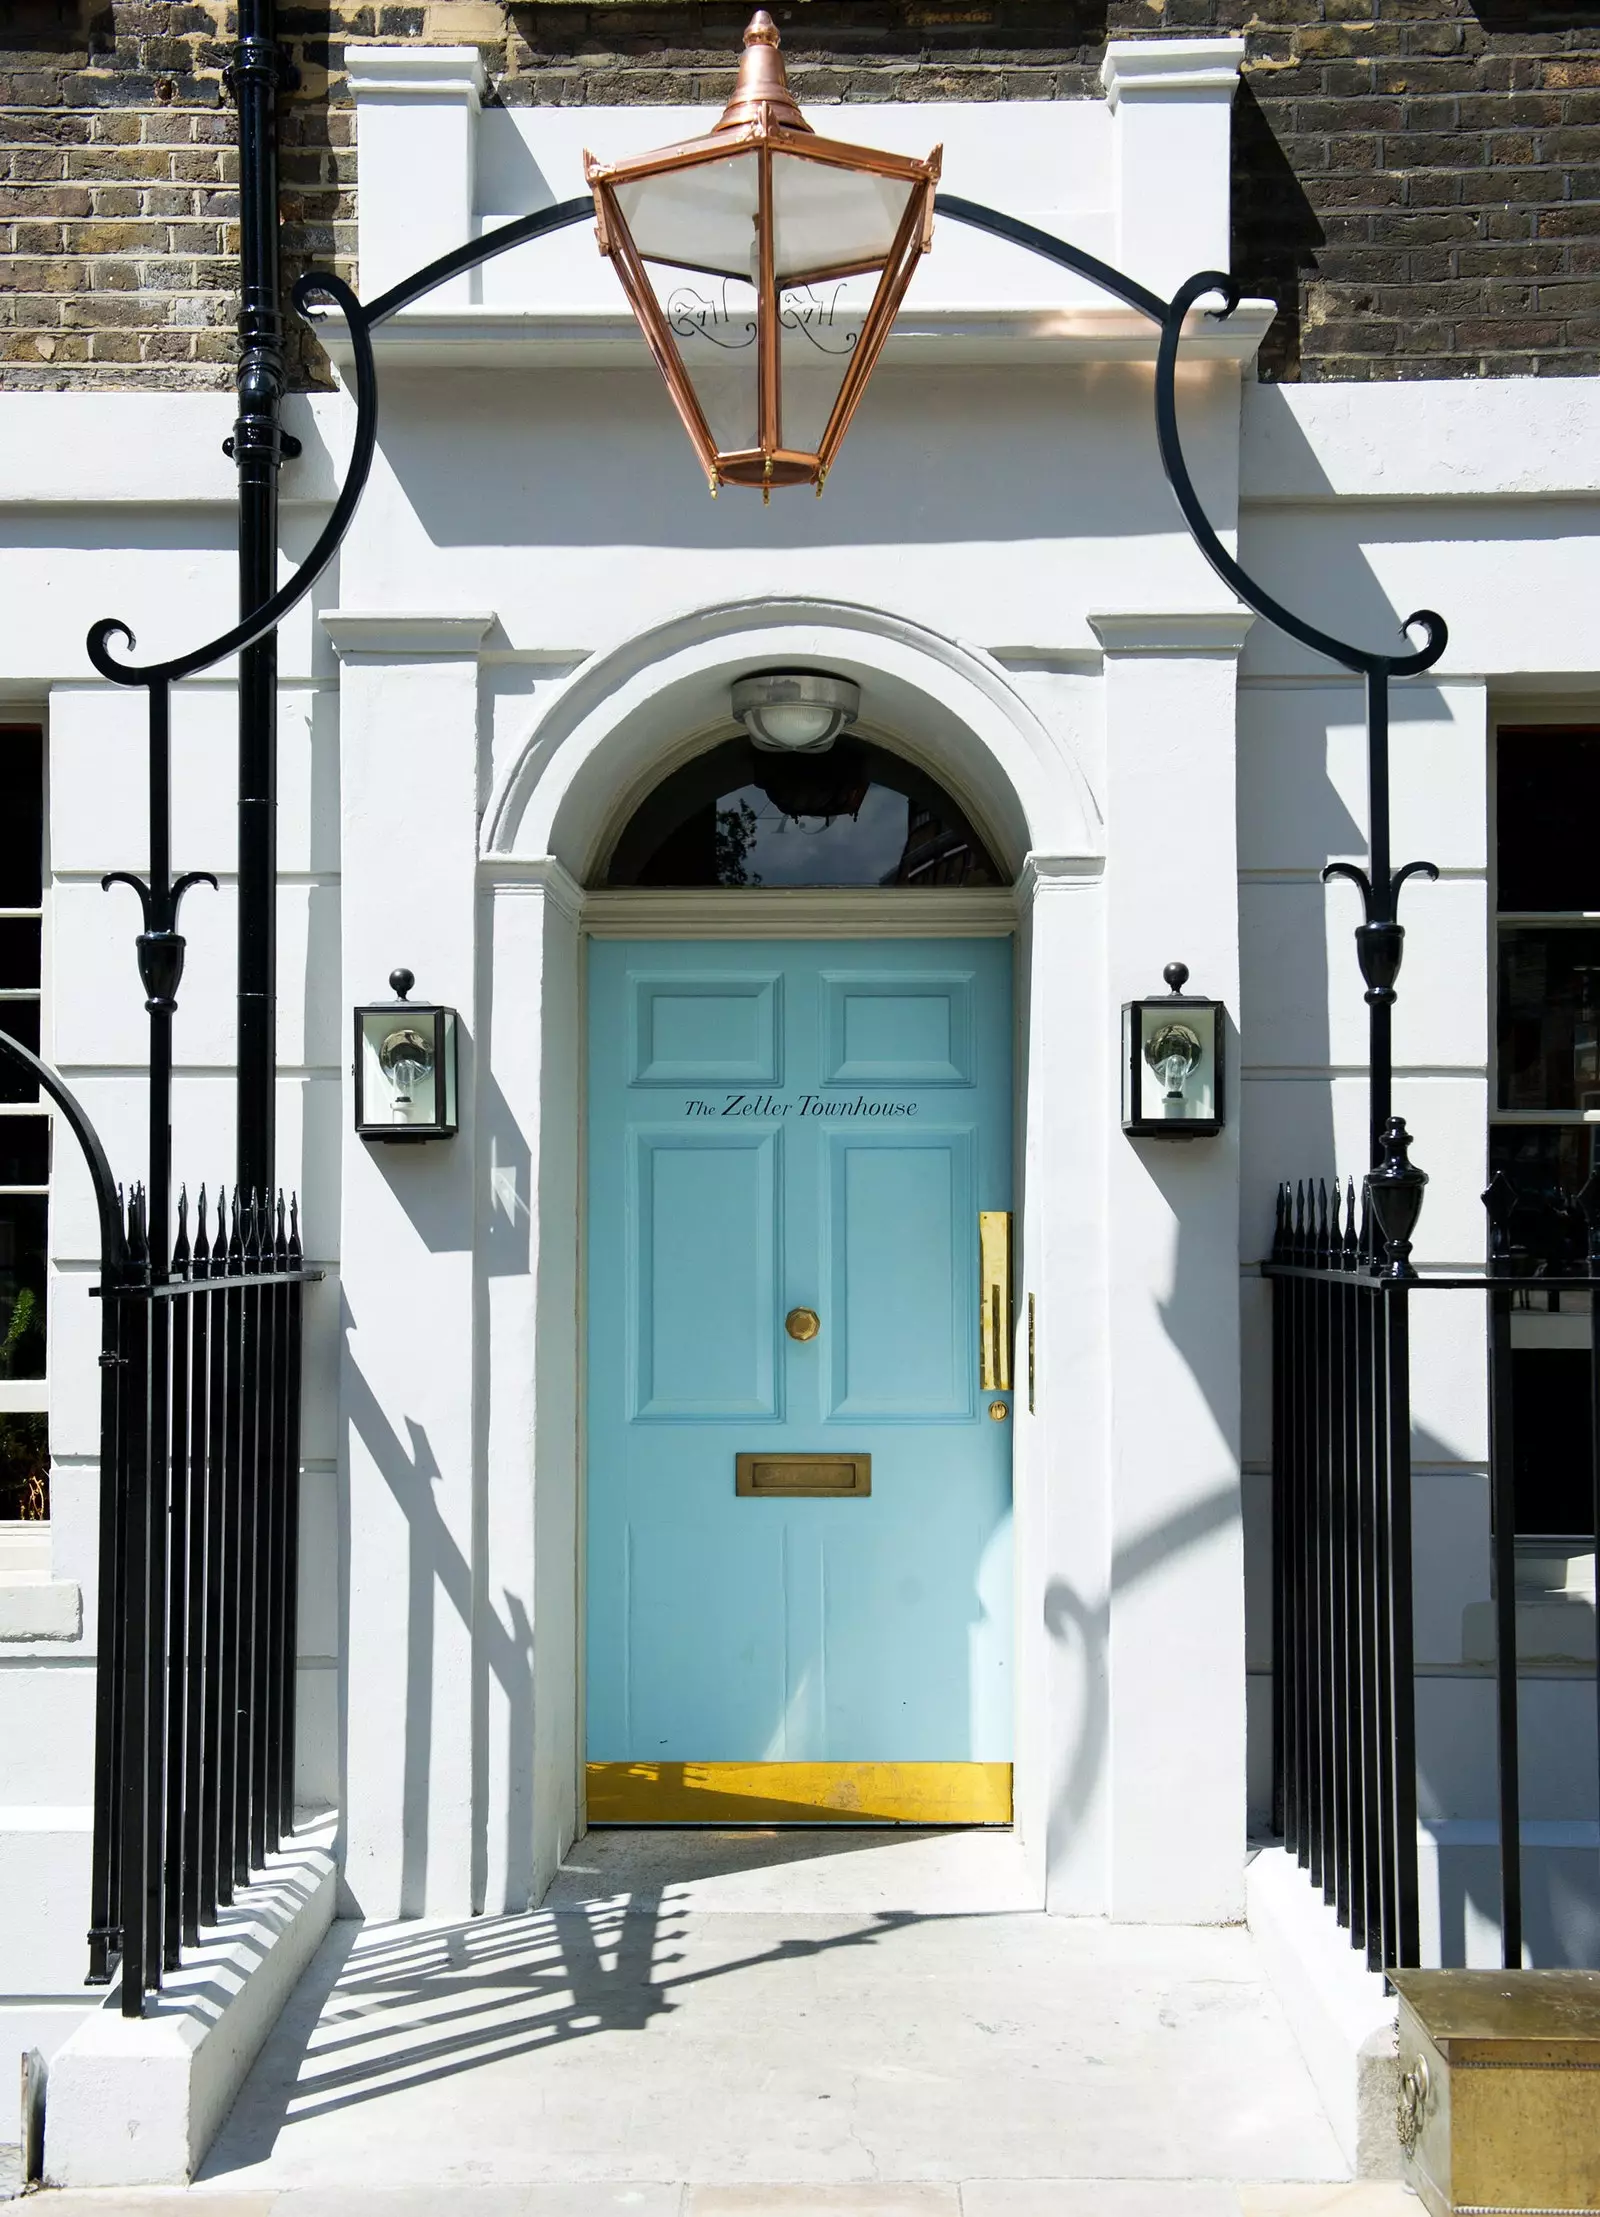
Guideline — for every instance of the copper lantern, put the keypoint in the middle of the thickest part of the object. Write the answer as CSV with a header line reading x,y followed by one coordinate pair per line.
x,y
765,265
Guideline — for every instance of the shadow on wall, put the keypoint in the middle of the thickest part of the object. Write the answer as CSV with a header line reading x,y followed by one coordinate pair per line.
x,y
1277,238
959,456
435,1567
1071,1616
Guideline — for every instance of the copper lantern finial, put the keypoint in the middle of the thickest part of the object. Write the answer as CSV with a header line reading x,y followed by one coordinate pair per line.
x,y
761,92
764,266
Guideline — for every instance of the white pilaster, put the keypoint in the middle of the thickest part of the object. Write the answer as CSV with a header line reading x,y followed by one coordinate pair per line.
x,y
529,1669
1176,1740
1060,1487
416,117
1170,101
408,808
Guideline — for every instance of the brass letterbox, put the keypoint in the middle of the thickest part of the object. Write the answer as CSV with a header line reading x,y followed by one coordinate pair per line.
x,y
803,1477
1499,2105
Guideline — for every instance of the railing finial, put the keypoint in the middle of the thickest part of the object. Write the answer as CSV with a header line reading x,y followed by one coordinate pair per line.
x,y
1396,1188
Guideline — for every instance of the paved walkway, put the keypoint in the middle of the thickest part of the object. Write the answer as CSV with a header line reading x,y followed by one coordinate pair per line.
x,y
881,2023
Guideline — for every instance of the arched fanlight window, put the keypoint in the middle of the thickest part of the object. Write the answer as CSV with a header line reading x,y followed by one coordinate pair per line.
x,y
856,815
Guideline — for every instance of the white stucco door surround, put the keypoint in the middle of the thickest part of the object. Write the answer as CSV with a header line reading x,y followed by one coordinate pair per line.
x,y
540,615
462,1274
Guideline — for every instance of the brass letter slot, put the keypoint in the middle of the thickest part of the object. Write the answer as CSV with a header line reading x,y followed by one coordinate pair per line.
x,y
994,1288
837,1477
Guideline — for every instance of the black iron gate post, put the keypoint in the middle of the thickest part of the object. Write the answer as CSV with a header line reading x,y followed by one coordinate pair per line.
x,y
259,446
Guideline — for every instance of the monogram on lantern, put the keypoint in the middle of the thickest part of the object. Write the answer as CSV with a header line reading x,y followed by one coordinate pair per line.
x,y
765,266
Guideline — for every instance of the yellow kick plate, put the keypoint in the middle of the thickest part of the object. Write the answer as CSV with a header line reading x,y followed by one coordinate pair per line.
x,y
799,1793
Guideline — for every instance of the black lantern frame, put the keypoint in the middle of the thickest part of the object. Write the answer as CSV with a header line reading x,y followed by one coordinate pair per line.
x,y
384,1032
1193,1029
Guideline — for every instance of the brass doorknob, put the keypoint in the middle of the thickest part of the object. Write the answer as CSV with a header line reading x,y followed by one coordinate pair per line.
x,y
802,1324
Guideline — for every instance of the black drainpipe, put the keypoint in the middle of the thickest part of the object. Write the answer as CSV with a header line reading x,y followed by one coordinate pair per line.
x,y
258,447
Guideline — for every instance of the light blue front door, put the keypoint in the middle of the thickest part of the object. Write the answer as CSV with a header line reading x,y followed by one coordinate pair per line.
x,y
772,1127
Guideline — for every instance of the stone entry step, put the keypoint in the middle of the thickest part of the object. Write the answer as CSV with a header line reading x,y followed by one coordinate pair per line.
x,y
972,2198
692,2015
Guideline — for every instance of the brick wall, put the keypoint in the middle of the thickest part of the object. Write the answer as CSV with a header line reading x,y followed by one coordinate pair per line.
x,y
1417,180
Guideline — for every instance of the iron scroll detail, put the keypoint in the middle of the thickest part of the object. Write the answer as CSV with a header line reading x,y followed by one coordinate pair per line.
x,y
1380,937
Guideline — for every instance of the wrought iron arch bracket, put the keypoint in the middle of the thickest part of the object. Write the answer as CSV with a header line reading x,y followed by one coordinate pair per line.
x,y
1170,315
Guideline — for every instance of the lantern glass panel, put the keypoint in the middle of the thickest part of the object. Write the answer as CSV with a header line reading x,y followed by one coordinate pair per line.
x,y
818,330
1177,1047
401,1048
832,219
713,326
701,216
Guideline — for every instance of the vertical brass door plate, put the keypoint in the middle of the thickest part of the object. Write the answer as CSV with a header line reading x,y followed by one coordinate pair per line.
x,y
994,1298
802,1324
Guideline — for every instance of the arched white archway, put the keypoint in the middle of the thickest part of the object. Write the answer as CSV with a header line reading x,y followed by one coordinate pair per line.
x,y
632,712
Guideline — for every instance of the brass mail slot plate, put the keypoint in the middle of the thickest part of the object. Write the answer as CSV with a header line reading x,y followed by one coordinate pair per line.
x,y
809,1477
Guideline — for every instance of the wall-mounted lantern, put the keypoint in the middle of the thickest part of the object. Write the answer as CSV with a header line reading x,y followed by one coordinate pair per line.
x,y
405,1067
764,265
1172,1063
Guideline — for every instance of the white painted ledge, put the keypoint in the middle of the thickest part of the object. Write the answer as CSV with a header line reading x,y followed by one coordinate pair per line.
x,y
40,1609
138,2101
1338,2012
1180,633
33,1605
385,636
459,337
1489,438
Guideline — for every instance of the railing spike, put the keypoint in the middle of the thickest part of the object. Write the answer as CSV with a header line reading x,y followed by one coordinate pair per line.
x,y
180,1244
202,1244
1352,1238
295,1256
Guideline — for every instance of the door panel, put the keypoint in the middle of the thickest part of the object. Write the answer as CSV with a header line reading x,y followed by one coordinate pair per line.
x,y
905,1320
771,1127
707,1030
702,1246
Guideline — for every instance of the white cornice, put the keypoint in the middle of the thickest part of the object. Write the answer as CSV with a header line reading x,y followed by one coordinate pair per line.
x,y
581,338
415,73
387,635
1056,873
1171,69
1183,633
542,874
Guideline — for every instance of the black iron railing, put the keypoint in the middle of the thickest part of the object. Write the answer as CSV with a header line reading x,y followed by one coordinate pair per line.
x,y
1343,1678
1343,1718
199,1541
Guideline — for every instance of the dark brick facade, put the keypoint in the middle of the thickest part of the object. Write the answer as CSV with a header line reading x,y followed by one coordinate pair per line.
x,y
1417,180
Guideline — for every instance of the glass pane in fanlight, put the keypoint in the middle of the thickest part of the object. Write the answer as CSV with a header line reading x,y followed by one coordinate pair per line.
x,y
819,327
713,326
827,218
702,217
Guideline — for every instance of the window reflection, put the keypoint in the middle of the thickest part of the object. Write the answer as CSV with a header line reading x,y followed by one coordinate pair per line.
x,y
1549,1047
856,815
